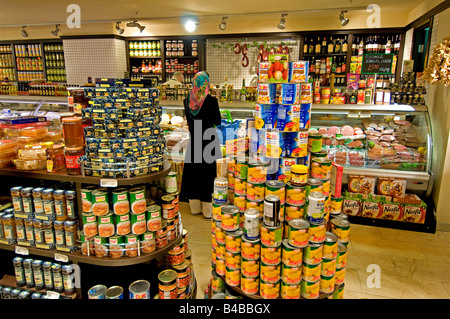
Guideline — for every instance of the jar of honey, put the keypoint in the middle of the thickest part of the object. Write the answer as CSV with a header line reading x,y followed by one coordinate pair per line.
x,y
60,204
73,155
73,132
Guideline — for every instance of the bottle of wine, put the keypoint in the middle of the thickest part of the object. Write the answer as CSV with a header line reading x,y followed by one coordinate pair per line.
x,y
324,45
344,65
311,46
334,65
318,46
337,46
339,65
344,46
388,47
243,92
330,46
361,47
305,46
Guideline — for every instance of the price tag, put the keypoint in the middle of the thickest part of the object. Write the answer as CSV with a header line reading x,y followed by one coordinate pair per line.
x,y
22,251
365,114
399,117
52,294
353,114
109,182
61,258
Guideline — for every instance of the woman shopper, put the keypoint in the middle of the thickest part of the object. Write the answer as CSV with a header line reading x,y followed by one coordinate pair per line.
x,y
202,115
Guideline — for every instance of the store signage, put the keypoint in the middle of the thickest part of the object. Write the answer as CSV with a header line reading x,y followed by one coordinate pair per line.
x,y
61,258
109,182
21,251
377,63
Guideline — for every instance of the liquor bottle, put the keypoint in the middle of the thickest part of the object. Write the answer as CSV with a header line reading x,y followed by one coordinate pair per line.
x,y
305,46
344,65
361,47
397,44
330,46
368,45
388,48
311,46
337,46
318,46
243,92
324,46
375,44
224,90
334,65
344,45
339,65
312,65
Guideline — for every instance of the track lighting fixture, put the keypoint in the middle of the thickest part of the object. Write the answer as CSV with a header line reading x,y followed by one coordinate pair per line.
x,y
223,24
24,33
191,24
282,25
56,31
118,28
135,24
343,20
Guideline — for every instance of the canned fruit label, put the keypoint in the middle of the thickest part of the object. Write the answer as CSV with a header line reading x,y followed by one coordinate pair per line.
x,y
271,236
327,284
100,206
233,243
297,144
257,173
321,168
266,93
298,237
270,273
250,268
298,72
291,256
288,117
278,67
290,291
312,254
291,274
255,192
339,276
233,277
249,285
294,212
310,289
269,290
250,251
271,255
265,116
315,210
311,273
295,195
233,260
274,144
240,186
220,190
290,93
230,221
314,142
328,267
263,72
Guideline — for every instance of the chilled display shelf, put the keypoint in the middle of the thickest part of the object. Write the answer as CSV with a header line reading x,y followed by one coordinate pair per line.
x,y
33,98
257,296
78,257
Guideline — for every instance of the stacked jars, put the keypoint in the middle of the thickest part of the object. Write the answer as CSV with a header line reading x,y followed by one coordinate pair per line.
x,y
74,143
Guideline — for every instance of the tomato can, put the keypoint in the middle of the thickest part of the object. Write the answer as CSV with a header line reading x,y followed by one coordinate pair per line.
x,y
131,245
139,289
116,246
90,227
290,255
101,246
148,242
138,203
153,217
106,225
86,199
250,249
138,223
100,202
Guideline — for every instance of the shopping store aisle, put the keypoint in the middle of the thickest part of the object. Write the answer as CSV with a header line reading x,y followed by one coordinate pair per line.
x,y
410,264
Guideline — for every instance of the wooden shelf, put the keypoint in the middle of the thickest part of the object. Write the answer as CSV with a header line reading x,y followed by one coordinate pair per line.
x,y
10,281
145,57
64,177
78,257
323,54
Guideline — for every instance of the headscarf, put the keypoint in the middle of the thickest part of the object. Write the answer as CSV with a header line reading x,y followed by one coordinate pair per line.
x,y
200,89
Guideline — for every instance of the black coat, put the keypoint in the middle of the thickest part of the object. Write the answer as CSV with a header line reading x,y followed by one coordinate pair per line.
x,y
200,166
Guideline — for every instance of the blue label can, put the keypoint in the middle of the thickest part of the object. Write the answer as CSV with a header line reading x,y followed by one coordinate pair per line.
x,y
290,93
97,292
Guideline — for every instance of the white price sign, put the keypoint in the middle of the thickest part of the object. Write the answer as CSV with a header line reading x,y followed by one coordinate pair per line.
x,y
109,182
52,294
61,258
22,251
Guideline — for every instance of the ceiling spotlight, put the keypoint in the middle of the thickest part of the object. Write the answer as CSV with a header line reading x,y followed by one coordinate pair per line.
x,y
343,20
223,24
56,31
191,24
282,25
24,33
135,24
118,28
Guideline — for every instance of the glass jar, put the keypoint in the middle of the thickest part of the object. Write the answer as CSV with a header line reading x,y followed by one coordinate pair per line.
x,y
299,174
59,161
37,200
48,276
60,237
60,204
16,196
68,279
48,202
29,230
57,278
73,159
39,237
70,204
27,201
49,232
19,271
38,274
73,132
70,230
29,277
20,229
9,229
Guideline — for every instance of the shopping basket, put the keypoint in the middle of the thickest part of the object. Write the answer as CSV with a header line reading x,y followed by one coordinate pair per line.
x,y
228,129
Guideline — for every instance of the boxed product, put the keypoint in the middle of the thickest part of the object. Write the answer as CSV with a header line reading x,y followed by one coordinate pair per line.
x,y
278,68
408,199
415,213
352,204
393,211
298,71
337,173
372,208
395,187
362,184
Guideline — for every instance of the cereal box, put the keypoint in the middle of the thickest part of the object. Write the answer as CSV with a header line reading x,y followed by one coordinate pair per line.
x,y
395,187
337,173
372,208
415,213
351,205
361,184
393,211
298,71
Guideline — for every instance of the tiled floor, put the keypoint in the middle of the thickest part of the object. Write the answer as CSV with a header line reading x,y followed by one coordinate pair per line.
x,y
411,264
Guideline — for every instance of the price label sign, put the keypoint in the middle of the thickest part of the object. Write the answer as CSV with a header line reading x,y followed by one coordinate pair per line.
x,y
377,63
61,258
108,182
22,251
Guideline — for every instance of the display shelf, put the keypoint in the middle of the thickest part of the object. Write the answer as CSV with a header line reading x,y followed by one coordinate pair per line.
x,y
78,257
323,54
258,296
33,98
64,177
145,57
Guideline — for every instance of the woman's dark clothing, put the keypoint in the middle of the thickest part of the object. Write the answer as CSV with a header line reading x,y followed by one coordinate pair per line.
x,y
199,169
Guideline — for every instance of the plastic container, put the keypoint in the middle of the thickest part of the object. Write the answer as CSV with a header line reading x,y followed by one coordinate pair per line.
x,y
36,152
26,165
33,131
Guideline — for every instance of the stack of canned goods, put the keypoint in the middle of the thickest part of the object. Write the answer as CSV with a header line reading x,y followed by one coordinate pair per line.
x,y
42,275
45,218
123,222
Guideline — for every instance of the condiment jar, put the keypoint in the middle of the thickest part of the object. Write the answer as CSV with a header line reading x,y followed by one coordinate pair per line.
x,y
73,159
9,228
20,229
57,278
17,198
29,278
49,233
70,204
39,237
27,201
37,200
70,229
19,271
38,274
68,279
48,202
73,131
299,174
48,275
59,161
60,236
59,199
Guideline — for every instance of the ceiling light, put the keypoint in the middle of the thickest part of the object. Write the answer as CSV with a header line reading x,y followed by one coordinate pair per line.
x,y
56,31
135,24
118,28
24,33
281,25
223,24
343,20
191,24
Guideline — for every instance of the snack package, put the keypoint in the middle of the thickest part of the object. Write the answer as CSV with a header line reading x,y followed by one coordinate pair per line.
x,y
393,211
415,213
352,205
395,187
372,208
361,184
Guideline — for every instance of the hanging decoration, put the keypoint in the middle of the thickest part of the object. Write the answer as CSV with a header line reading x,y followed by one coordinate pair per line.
x,y
438,69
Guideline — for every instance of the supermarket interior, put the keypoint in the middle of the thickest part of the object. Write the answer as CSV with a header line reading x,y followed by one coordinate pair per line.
x,y
321,171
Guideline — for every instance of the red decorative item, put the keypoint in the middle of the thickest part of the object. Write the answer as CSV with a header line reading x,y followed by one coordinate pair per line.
x,y
237,48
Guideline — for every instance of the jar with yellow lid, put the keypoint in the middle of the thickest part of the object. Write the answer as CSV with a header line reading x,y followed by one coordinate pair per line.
x,y
299,174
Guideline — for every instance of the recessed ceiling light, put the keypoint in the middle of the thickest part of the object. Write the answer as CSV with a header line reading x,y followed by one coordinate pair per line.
x,y
191,24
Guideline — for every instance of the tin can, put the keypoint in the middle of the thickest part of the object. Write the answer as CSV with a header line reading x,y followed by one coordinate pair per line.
x,y
265,116
183,273
230,217
122,224
314,142
241,169
251,223
167,284
315,210
269,290
294,212
257,172
271,255
255,191
97,292
219,233
220,192
317,231
330,245
220,267
240,201
100,203
341,228
153,217
121,205
339,276
341,259
240,186
138,223
106,225
170,182
289,290
90,227
116,246
249,268
328,266
298,233
233,240
290,93
169,206
291,274
312,254
270,273
220,251
313,185
272,208
86,199
217,283
101,246
216,210
250,249
271,236
139,289
256,204
232,276
321,168
338,292
310,289
336,205
310,272
297,144
114,292
277,188
137,200
288,117
290,255
148,242
249,285
295,194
